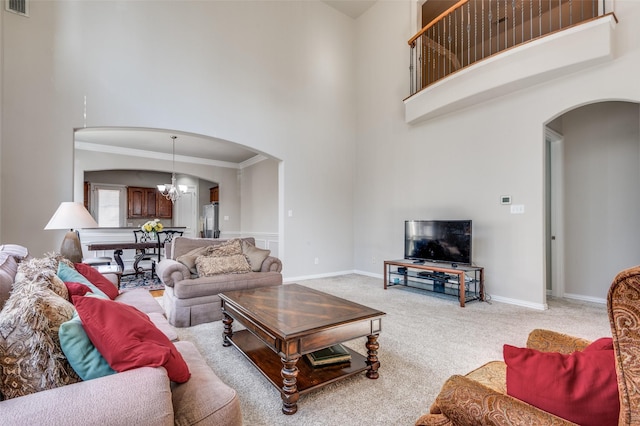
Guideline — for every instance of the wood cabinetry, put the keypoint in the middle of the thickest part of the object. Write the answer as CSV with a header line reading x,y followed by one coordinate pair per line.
x,y
147,203
164,207
214,194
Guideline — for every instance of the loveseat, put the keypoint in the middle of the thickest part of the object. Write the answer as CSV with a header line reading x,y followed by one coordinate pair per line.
x,y
610,388
192,288
39,384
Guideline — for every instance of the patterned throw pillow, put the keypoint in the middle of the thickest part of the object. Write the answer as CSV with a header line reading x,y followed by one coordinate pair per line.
x,y
228,248
31,359
44,271
234,264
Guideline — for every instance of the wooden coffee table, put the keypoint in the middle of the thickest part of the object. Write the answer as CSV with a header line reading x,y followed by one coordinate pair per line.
x,y
287,321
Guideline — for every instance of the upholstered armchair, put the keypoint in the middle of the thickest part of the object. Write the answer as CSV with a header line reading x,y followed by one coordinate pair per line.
x,y
480,397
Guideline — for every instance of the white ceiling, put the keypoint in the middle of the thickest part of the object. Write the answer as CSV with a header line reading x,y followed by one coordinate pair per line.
x,y
352,8
159,142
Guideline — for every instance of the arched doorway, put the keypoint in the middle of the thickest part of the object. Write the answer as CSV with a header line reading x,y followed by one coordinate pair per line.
x,y
598,176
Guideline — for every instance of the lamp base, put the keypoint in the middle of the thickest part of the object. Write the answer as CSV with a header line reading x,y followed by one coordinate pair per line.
x,y
71,248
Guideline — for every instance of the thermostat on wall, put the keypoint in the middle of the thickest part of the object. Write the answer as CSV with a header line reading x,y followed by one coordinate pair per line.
x,y
505,199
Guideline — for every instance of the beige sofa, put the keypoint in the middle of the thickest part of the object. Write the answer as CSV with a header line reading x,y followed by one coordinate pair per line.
x,y
190,299
140,396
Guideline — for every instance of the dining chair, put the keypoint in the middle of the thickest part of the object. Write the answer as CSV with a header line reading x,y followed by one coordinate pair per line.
x,y
167,237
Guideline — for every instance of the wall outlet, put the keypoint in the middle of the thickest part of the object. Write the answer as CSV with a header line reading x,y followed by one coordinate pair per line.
x,y
316,260
373,260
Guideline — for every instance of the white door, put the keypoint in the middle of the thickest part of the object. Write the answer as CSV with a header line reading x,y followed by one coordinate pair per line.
x,y
185,212
556,206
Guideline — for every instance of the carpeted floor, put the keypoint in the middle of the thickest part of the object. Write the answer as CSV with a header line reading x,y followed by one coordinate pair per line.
x,y
146,281
425,339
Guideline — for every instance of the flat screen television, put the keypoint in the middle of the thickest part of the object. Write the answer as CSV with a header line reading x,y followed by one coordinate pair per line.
x,y
438,241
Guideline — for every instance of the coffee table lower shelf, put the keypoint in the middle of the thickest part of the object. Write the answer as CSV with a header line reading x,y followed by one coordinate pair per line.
x,y
309,378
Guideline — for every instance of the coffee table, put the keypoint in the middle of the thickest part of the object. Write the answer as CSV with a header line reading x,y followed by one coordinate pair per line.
x,y
287,321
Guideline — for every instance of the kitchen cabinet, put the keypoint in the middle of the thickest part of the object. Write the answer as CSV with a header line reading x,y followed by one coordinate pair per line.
x,y
214,194
147,203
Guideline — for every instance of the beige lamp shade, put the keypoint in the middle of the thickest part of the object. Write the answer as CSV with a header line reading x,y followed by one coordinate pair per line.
x,y
71,215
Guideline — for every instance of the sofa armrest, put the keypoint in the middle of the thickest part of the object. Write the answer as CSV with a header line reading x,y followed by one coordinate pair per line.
x,y
465,401
271,264
551,341
171,271
141,396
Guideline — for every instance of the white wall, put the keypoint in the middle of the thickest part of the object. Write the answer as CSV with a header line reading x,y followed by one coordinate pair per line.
x,y
301,82
274,76
458,165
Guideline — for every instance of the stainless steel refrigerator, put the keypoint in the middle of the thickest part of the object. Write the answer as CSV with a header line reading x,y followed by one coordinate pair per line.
x,y
210,222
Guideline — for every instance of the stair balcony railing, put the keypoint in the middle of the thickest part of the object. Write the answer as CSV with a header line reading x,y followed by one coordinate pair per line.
x,y
473,30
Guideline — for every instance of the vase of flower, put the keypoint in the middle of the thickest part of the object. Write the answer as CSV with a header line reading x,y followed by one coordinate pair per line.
x,y
152,227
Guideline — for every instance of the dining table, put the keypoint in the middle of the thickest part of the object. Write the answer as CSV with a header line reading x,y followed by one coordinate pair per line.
x,y
119,246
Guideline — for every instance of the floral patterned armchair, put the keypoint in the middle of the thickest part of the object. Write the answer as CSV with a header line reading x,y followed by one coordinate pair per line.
x,y
480,397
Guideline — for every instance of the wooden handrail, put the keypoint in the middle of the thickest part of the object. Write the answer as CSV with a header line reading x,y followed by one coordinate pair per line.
x,y
454,40
435,21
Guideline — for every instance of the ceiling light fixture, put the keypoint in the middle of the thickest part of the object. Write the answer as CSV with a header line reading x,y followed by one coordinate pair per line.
x,y
171,191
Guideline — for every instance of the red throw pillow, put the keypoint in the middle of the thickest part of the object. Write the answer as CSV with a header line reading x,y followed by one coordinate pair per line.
x,y
580,387
127,339
97,279
76,289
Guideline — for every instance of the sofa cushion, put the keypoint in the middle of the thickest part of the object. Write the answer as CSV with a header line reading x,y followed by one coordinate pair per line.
x,y
254,255
31,359
68,274
189,259
580,387
76,289
97,279
127,338
15,250
83,356
214,265
6,278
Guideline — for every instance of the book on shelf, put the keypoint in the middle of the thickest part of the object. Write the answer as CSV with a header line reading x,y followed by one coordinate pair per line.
x,y
336,354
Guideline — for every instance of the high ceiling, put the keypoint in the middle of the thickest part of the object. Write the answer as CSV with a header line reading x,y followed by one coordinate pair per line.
x,y
159,141
187,144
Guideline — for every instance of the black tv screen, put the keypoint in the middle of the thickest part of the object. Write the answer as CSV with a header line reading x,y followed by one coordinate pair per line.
x,y
438,241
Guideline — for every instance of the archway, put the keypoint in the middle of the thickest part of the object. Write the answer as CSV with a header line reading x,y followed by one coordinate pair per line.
x,y
600,169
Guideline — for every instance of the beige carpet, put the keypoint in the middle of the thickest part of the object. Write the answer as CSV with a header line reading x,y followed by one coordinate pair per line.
x,y
424,340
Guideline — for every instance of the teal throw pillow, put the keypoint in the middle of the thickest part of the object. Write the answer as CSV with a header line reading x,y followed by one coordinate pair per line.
x,y
68,274
83,357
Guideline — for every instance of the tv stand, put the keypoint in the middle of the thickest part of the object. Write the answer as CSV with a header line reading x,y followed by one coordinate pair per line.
x,y
462,281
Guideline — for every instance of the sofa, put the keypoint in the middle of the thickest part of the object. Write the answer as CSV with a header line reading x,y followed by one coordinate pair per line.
x,y
588,383
192,286
39,384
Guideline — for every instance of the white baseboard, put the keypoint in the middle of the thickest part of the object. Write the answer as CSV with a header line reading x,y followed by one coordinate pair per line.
x,y
585,298
518,302
311,277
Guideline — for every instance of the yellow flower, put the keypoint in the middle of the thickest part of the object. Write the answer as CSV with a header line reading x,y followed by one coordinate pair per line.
x,y
152,226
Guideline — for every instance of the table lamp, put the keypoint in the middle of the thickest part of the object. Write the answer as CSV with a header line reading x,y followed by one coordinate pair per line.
x,y
71,215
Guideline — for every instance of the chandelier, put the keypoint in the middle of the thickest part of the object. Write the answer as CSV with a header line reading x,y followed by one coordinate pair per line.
x,y
171,191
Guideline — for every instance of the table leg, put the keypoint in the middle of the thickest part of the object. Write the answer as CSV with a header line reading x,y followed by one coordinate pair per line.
x,y
117,256
290,393
228,330
372,356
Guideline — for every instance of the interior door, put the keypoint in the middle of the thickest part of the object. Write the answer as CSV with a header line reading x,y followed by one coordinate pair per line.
x,y
555,235
185,212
